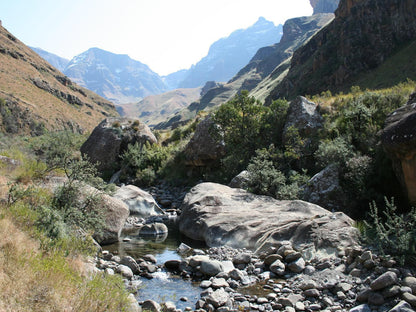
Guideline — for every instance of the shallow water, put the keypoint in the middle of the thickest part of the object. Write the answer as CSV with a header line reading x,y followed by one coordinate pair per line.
x,y
164,286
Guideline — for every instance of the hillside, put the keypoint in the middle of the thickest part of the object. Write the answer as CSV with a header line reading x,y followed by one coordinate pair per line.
x,y
37,96
264,70
351,46
154,109
116,77
228,55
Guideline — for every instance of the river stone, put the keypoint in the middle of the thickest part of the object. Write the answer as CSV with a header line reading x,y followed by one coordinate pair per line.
x,y
361,308
297,266
149,257
211,267
170,306
314,293
132,304
131,263
220,215
410,281
151,306
236,274
172,265
402,306
153,229
219,282
375,298
272,258
391,291
205,284
125,271
411,299
242,258
195,261
218,298
384,280
278,267
140,202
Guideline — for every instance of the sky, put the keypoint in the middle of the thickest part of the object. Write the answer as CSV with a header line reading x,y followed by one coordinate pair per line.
x,y
167,35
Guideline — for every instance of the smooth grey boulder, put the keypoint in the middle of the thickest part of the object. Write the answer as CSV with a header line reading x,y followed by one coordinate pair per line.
x,y
384,280
220,215
240,180
154,229
211,267
140,202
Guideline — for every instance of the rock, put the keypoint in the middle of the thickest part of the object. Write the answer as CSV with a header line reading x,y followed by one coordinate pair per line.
x,y
402,306
324,189
132,304
125,271
203,149
240,180
391,291
297,266
410,281
384,280
220,215
211,267
272,258
205,284
172,265
278,267
218,283
375,298
409,298
324,6
150,258
218,298
195,261
314,293
290,301
109,140
153,229
115,215
151,306
361,308
131,263
170,306
242,258
236,274
184,248
140,203
399,141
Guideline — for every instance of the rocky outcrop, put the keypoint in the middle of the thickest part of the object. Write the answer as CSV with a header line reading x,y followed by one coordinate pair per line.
x,y
140,202
362,36
111,138
220,215
399,141
204,148
324,6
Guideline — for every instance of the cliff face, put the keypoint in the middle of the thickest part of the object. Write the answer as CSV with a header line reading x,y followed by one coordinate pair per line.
x,y
363,34
324,6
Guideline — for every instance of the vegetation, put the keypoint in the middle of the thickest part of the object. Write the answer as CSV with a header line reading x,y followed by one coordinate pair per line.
x,y
45,256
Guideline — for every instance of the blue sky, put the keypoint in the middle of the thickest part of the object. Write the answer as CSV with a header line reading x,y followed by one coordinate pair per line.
x,y
167,35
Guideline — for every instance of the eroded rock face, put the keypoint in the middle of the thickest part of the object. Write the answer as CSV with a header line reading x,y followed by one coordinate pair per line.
x,y
220,215
399,141
204,149
324,6
111,138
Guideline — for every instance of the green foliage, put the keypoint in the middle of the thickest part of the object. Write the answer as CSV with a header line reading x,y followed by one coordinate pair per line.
x,y
337,151
391,232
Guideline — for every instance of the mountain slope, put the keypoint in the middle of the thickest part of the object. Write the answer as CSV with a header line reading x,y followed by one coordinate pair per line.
x,y
36,96
116,77
56,61
363,35
154,109
324,6
264,70
228,55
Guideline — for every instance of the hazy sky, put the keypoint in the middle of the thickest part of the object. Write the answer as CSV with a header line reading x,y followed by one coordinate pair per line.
x,y
167,35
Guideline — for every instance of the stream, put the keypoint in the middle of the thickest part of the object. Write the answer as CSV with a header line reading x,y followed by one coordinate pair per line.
x,y
164,286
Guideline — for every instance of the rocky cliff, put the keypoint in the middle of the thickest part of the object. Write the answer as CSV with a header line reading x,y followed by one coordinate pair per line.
x,y
362,36
35,96
228,55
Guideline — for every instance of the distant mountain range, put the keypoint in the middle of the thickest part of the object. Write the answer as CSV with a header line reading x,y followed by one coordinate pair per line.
x,y
123,80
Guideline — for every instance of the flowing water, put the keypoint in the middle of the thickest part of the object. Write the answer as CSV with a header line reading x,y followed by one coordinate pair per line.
x,y
164,286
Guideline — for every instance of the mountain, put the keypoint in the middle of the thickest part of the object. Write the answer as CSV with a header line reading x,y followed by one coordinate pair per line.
x,y
53,59
262,73
228,55
116,77
154,109
364,35
173,80
324,6
36,96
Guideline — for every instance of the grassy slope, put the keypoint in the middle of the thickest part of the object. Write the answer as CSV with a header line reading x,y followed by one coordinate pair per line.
x,y
19,66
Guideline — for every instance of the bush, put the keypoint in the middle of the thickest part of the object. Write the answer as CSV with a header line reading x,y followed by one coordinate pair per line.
x,y
337,151
392,233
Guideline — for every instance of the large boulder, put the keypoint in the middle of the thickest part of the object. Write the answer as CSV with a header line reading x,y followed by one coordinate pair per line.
x,y
140,202
399,141
204,148
324,190
220,215
110,139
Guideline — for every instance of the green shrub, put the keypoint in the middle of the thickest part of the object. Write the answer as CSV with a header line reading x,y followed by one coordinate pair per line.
x,y
337,151
392,233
